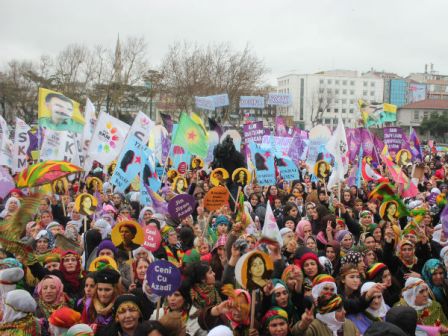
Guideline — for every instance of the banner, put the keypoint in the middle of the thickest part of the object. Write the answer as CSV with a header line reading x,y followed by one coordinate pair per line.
x,y
20,147
220,100
63,146
318,137
205,103
6,182
393,138
376,114
280,127
416,92
255,102
279,99
59,113
129,163
108,138
367,142
89,126
263,160
5,144
286,167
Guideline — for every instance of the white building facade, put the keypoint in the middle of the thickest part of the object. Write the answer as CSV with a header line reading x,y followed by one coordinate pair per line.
x,y
319,98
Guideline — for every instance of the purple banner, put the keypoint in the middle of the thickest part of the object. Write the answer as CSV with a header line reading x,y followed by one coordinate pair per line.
x,y
394,139
353,141
280,127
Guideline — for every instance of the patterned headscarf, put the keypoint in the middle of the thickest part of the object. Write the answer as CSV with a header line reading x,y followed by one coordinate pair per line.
x,y
330,304
376,270
352,257
319,282
60,298
427,272
272,314
411,288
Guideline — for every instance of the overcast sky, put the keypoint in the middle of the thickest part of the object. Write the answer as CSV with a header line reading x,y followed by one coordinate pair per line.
x,y
289,35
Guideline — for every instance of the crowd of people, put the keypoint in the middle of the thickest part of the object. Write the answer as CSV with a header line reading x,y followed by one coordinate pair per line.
x,y
349,264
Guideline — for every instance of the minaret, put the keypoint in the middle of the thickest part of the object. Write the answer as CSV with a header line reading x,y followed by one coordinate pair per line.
x,y
118,67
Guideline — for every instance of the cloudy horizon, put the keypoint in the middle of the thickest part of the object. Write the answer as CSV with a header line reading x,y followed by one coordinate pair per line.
x,y
289,36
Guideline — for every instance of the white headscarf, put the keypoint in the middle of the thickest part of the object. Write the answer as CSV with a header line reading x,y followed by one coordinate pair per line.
x,y
5,212
410,291
329,319
317,289
380,312
18,304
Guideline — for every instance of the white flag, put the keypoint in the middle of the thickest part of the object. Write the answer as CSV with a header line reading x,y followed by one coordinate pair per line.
x,y
270,227
20,147
337,146
108,139
5,144
141,127
89,126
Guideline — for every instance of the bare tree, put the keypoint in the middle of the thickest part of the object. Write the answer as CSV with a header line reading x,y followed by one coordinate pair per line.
x,y
190,70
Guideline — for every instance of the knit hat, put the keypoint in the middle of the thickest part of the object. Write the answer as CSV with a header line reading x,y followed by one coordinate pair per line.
x,y
305,257
272,314
64,317
52,257
374,270
319,282
287,272
330,304
107,276
221,219
127,298
284,231
80,330
107,245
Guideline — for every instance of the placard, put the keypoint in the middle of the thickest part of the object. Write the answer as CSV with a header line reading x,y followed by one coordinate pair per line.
x,y
181,206
152,238
163,278
216,197
253,270
136,239
86,204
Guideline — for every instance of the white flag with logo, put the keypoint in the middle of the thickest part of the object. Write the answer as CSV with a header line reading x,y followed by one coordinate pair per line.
x,y
337,146
270,227
141,127
108,139
20,147
89,126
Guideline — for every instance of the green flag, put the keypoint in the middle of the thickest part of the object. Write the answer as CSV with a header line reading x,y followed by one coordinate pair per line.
x,y
191,136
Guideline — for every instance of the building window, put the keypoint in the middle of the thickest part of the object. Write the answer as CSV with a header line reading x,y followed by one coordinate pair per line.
x,y
344,91
425,114
336,91
336,81
329,81
335,121
372,93
364,93
329,91
344,82
344,110
372,84
416,115
352,92
352,110
321,109
336,110
352,83
344,101
365,83
321,81
328,109
352,101
328,100
321,90
327,121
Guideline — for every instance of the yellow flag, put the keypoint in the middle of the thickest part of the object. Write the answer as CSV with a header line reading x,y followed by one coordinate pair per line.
x,y
389,108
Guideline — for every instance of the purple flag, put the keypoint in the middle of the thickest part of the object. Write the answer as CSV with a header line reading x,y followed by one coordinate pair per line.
x,y
34,142
354,142
158,203
367,142
6,182
414,146
167,122
214,126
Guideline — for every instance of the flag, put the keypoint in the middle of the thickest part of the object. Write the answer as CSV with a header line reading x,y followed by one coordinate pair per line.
x,y
370,174
89,127
263,159
159,205
374,114
337,146
214,126
394,170
444,220
6,182
20,147
270,228
59,113
191,135
414,146
108,139
149,177
359,170
167,122
5,144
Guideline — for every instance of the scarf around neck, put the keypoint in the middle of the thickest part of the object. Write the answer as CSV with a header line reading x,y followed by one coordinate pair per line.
x,y
330,321
204,295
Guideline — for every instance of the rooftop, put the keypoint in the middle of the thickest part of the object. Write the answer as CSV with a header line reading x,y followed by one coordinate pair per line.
x,y
430,104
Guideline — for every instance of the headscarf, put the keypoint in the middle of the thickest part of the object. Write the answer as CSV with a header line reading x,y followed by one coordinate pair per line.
x,y
375,272
427,272
272,314
380,312
80,330
300,226
107,245
104,227
5,212
45,235
399,246
246,295
287,272
411,288
142,214
71,232
60,298
352,257
64,318
72,278
290,308
319,282
18,304
326,312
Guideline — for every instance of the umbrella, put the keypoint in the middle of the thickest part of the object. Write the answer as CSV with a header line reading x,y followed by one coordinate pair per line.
x,y
45,172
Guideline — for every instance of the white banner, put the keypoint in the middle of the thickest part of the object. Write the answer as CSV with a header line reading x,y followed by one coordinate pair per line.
x,y
20,147
5,144
279,99
252,102
108,139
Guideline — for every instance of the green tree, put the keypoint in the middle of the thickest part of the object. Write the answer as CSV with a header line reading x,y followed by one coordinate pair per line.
x,y
436,126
